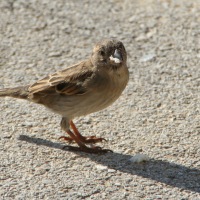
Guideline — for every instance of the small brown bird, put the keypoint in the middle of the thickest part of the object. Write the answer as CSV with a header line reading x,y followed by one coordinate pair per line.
x,y
81,89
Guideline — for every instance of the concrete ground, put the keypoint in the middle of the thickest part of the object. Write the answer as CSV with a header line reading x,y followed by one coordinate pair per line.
x,y
158,114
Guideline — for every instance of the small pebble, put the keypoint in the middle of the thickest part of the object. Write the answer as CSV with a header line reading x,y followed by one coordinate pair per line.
x,y
138,158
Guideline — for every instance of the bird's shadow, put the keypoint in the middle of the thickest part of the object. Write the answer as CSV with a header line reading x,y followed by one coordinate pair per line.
x,y
169,173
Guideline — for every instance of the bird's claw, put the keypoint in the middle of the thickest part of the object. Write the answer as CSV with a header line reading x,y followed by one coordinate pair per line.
x,y
93,139
86,140
68,139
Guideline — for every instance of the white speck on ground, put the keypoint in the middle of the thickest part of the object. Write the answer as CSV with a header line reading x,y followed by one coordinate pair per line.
x,y
138,158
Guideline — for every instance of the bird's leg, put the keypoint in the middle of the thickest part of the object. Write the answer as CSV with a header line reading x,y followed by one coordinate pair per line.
x,y
74,138
79,139
87,140
83,147
68,139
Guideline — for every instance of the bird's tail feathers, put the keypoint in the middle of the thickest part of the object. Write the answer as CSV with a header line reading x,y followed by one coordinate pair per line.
x,y
17,92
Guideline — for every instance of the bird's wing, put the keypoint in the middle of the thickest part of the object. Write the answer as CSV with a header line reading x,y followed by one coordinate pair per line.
x,y
70,81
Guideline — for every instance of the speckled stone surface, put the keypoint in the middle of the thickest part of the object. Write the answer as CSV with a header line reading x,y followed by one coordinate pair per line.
x,y
158,114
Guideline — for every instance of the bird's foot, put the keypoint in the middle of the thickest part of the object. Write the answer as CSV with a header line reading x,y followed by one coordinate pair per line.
x,y
86,140
68,139
82,141
94,150
91,139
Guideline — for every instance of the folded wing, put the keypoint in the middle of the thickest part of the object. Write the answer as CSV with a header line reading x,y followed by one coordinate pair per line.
x,y
70,81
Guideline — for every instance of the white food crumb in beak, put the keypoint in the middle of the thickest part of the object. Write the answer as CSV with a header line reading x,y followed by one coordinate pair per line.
x,y
116,60
138,158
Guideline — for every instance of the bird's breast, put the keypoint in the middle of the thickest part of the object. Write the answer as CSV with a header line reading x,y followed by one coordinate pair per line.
x,y
105,92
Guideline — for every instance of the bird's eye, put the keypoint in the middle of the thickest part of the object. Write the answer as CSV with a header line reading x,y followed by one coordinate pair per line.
x,y
102,53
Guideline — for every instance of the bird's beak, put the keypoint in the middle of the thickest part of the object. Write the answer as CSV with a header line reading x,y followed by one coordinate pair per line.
x,y
116,57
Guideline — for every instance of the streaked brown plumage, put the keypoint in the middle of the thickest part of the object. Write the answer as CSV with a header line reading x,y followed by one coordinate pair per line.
x,y
81,89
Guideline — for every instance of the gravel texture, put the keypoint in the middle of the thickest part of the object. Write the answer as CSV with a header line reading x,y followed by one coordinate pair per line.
x,y
158,114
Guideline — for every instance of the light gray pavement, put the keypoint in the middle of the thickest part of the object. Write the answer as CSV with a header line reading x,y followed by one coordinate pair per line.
x,y
157,115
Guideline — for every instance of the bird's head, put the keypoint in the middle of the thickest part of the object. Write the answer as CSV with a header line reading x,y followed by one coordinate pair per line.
x,y
109,54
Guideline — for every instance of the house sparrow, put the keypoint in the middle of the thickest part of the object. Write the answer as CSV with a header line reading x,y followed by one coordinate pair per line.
x,y
81,89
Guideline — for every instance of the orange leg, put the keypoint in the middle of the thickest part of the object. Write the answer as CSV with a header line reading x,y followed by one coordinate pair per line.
x,y
87,140
68,139
83,147
75,136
